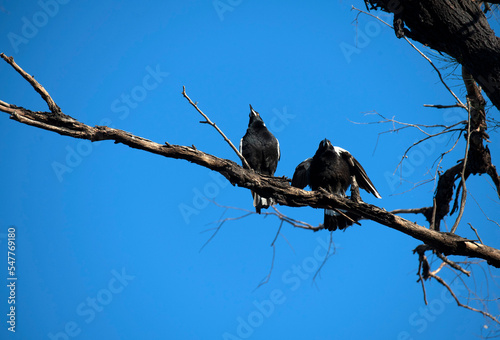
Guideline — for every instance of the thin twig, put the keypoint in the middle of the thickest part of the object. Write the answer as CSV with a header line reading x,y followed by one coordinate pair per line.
x,y
475,231
279,229
441,281
459,102
464,188
374,16
6,107
415,185
441,266
268,276
266,279
421,141
285,194
421,279
5,104
452,264
327,256
293,222
208,121
437,106
409,211
441,157
479,206
433,219
288,242
404,125
30,79
221,222
420,127
341,213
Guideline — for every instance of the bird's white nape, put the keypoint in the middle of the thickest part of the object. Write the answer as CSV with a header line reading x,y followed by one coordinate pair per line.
x,y
338,150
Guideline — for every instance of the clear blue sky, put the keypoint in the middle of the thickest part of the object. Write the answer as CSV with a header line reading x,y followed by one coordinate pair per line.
x,y
108,238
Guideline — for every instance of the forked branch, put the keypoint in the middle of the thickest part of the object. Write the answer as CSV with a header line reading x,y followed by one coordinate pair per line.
x,y
209,122
460,304
266,186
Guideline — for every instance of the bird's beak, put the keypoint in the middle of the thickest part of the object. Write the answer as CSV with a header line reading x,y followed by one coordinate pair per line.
x,y
253,112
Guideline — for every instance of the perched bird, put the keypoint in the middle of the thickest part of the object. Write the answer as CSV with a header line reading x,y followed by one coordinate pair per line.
x,y
262,152
334,170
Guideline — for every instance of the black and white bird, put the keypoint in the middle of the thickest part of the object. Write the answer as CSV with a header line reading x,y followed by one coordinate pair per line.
x,y
333,169
262,152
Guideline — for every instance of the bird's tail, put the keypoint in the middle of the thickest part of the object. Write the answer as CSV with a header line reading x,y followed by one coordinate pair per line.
x,y
333,220
261,202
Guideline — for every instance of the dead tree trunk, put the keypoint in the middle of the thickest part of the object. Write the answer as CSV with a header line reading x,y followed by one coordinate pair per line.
x,y
458,28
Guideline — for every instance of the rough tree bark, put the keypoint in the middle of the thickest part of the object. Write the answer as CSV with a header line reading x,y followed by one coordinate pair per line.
x,y
458,28
478,163
277,187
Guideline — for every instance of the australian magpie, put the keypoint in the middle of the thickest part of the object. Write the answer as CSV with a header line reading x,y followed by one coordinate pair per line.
x,y
262,152
332,169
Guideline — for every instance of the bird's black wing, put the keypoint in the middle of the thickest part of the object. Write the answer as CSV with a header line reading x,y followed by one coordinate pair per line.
x,y
301,175
244,149
360,173
270,154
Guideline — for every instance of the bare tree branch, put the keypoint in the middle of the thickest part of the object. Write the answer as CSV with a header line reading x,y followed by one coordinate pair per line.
x,y
482,211
411,211
441,266
221,222
482,159
268,186
283,218
452,264
459,102
437,106
486,314
327,256
268,276
475,231
464,167
420,278
477,160
458,28
421,128
30,79
433,218
423,267
208,121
